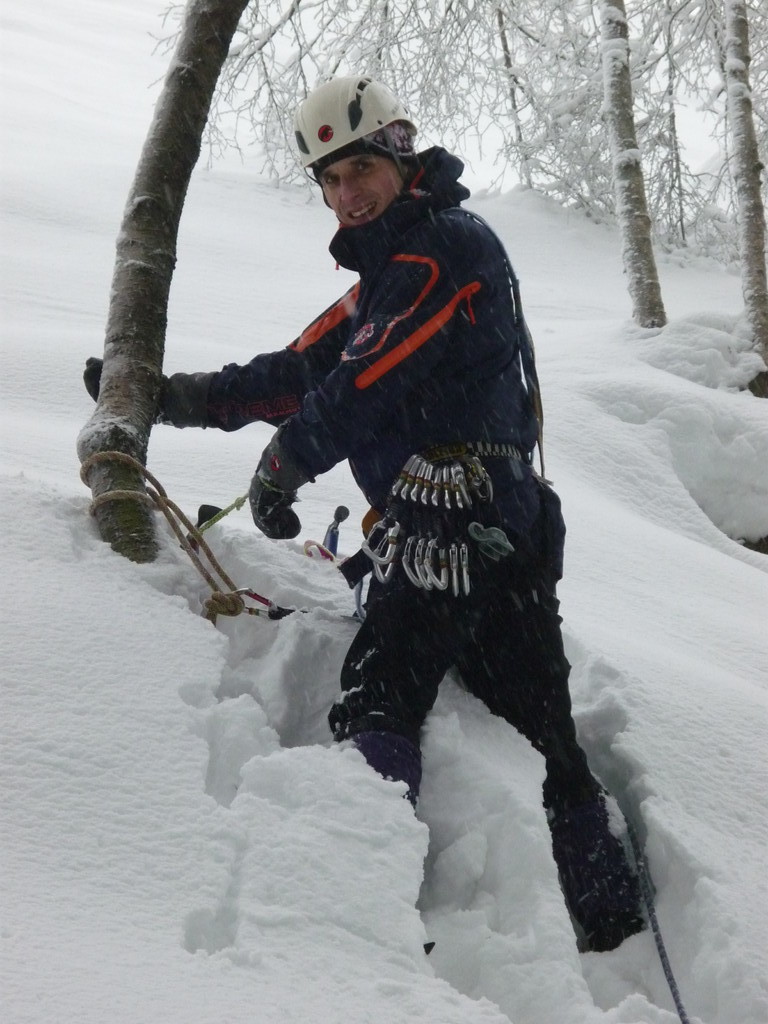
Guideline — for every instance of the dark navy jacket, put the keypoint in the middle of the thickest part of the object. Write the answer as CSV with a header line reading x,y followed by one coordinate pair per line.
x,y
423,351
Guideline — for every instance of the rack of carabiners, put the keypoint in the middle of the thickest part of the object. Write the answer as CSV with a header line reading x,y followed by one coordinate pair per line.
x,y
430,519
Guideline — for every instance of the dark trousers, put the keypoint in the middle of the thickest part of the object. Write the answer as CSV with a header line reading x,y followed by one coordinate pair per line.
x,y
505,641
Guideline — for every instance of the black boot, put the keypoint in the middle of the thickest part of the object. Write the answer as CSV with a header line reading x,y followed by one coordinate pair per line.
x,y
600,887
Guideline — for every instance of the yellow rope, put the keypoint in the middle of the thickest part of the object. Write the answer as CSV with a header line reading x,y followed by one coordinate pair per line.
x,y
225,598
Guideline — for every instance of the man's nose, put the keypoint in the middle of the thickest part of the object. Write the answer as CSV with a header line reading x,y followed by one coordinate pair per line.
x,y
349,186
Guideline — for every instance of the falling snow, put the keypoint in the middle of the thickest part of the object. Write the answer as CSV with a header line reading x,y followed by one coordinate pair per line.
x,y
181,841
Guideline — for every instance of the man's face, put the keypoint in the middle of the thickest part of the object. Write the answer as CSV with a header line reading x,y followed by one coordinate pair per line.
x,y
360,188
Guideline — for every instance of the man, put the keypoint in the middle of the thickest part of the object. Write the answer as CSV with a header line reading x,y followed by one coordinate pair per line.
x,y
422,376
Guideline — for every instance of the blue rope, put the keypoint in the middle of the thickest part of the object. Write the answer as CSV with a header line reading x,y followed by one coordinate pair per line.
x,y
647,893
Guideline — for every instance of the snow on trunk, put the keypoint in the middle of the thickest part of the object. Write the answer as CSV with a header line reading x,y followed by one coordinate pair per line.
x,y
747,170
629,186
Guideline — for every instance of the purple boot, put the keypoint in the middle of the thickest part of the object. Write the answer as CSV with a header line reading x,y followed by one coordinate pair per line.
x,y
393,757
600,887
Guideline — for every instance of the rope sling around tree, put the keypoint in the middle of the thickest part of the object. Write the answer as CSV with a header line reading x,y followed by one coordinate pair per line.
x,y
225,598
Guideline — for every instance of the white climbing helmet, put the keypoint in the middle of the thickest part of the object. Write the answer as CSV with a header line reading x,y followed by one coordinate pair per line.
x,y
342,112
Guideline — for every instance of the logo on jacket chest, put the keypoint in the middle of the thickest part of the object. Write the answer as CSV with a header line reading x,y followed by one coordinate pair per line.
x,y
365,332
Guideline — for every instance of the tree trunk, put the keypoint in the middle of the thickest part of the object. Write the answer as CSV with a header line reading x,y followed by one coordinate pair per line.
x,y
676,191
747,170
145,259
525,164
629,186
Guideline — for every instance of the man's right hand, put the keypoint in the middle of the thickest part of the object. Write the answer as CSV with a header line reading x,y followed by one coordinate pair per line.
x,y
273,491
271,510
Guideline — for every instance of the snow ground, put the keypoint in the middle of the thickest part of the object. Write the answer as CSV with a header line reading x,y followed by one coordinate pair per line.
x,y
181,841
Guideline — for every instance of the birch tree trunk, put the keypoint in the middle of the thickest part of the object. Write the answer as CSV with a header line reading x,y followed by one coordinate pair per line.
x,y
144,264
525,165
747,170
629,186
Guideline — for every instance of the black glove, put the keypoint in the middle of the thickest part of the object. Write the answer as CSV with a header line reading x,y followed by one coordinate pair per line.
x,y
183,400
92,376
273,491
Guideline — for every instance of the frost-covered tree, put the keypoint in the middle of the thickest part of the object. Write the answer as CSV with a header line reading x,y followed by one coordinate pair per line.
x,y
747,172
444,59
144,264
556,54
671,187
518,79
631,207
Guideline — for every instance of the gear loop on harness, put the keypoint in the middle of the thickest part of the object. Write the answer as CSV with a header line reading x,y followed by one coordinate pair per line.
x,y
430,525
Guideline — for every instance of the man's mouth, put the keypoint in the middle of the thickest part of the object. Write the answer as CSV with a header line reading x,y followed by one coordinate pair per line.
x,y
364,211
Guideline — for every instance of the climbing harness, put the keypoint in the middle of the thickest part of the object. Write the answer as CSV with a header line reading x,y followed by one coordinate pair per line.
x,y
225,598
432,517
646,890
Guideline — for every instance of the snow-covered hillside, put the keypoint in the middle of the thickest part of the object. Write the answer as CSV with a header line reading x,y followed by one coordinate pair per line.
x,y
180,840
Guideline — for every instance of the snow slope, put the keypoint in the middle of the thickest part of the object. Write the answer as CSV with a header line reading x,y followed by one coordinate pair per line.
x,y
181,842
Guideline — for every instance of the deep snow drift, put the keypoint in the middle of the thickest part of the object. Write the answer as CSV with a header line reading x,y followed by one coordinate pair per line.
x,y
181,841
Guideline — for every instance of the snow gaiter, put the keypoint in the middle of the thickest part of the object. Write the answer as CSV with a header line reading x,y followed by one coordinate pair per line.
x,y
393,757
600,888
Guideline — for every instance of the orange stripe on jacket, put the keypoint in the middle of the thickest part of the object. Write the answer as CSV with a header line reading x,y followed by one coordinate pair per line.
x,y
434,274
332,317
417,339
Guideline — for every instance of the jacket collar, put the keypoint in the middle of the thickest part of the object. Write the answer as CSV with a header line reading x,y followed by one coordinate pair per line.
x,y
434,187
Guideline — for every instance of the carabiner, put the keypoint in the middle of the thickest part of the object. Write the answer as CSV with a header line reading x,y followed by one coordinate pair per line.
x,y
419,566
464,559
405,479
383,574
429,476
453,557
441,581
409,572
444,490
384,552
418,480
437,486
479,480
459,481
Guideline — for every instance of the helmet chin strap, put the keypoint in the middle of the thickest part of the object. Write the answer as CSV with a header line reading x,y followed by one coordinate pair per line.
x,y
395,156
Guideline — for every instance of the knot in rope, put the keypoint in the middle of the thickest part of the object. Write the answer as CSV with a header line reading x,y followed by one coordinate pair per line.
x,y
219,603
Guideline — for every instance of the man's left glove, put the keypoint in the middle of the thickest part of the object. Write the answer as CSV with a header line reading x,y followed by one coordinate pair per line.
x,y
183,399
273,491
